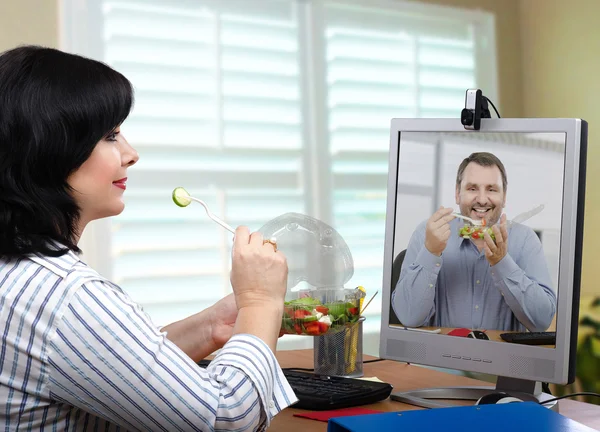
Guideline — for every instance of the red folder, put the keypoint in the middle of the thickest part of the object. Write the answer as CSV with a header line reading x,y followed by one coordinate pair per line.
x,y
345,412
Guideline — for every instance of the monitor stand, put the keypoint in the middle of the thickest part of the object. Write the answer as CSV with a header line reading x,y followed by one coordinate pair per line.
x,y
522,389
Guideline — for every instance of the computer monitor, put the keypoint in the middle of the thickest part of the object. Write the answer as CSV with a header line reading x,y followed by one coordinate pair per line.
x,y
528,282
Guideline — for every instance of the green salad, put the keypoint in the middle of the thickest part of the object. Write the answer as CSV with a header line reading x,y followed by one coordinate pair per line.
x,y
475,232
309,316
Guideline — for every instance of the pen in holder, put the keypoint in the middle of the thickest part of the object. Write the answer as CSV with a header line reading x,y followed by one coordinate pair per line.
x,y
340,353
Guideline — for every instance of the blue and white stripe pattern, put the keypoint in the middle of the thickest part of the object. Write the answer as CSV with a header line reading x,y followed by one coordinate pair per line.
x,y
78,354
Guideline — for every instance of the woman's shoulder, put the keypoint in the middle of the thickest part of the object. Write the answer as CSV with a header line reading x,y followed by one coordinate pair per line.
x,y
61,265
43,285
69,270
48,283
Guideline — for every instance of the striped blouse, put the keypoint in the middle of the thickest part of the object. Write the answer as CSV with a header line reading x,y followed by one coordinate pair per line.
x,y
78,354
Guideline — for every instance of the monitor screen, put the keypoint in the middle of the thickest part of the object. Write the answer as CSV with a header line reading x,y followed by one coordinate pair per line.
x,y
482,176
459,293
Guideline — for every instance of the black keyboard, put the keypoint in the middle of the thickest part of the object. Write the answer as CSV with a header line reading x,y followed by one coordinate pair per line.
x,y
530,338
320,392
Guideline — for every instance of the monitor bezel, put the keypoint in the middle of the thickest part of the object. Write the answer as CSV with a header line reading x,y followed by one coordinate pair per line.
x,y
500,356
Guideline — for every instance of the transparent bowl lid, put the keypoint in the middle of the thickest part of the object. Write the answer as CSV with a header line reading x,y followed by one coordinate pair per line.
x,y
316,253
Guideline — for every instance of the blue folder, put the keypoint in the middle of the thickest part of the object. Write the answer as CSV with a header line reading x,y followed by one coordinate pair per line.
x,y
511,417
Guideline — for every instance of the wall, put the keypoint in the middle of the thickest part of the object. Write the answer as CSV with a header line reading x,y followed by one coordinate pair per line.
x,y
560,61
28,22
508,49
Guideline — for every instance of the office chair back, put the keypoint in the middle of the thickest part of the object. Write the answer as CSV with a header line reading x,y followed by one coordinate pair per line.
x,y
396,267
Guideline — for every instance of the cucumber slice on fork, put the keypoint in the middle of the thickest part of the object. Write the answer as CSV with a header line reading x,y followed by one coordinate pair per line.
x,y
181,197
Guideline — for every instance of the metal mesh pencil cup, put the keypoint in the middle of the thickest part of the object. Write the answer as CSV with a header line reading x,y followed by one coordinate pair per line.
x,y
340,353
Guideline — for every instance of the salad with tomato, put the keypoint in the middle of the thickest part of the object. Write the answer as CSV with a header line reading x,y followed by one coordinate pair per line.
x,y
475,232
309,316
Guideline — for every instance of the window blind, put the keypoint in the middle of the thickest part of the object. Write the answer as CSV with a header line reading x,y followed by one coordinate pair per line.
x,y
264,107
218,111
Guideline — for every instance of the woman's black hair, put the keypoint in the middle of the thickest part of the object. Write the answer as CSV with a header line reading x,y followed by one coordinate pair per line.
x,y
54,108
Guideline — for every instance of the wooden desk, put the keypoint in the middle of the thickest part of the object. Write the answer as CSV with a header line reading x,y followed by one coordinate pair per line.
x,y
493,335
405,377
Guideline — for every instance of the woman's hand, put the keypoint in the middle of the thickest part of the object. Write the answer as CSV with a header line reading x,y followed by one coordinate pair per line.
x,y
222,320
259,280
258,273
205,332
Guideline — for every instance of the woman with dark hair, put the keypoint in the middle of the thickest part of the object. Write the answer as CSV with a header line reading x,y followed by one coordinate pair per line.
x,y
75,351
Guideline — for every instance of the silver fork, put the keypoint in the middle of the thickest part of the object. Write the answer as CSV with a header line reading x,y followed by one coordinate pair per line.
x,y
520,218
473,221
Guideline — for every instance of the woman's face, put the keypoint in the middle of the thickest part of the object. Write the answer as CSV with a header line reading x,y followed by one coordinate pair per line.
x,y
100,181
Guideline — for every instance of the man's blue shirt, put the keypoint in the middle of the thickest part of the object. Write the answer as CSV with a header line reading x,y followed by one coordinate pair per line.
x,y
460,288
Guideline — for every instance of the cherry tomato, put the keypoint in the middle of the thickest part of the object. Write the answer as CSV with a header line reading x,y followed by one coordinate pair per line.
x,y
313,328
301,313
324,310
323,327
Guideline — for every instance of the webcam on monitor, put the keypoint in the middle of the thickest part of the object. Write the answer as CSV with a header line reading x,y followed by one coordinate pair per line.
x,y
476,108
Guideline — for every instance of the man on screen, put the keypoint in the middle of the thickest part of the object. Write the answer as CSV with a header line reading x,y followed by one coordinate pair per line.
x,y
483,282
